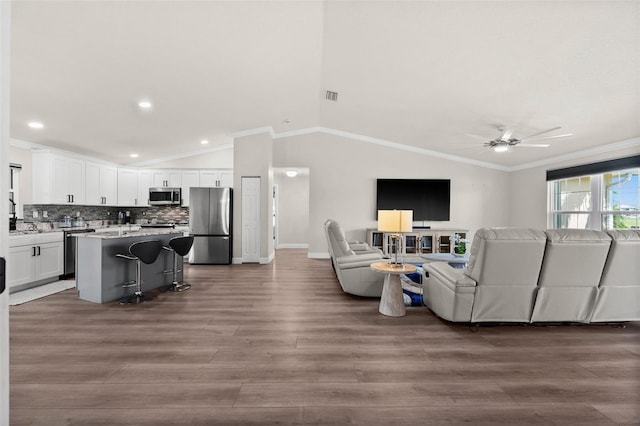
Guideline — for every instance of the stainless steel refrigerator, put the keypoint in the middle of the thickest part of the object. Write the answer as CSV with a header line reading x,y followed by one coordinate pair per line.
x,y
210,222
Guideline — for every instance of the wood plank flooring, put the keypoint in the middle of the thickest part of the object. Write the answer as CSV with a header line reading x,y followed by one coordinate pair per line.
x,y
282,344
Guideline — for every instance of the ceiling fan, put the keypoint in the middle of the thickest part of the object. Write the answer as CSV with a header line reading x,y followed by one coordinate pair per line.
x,y
506,139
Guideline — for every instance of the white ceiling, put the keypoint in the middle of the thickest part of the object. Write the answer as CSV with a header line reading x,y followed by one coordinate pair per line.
x,y
422,74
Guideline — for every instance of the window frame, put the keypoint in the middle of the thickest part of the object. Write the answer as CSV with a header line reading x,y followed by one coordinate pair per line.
x,y
596,214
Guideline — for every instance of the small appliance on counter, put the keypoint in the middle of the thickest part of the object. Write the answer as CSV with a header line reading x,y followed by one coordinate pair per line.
x,y
65,222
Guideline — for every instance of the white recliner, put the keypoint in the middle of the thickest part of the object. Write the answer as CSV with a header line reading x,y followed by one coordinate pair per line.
x,y
570,275
351,260
618,296
498,284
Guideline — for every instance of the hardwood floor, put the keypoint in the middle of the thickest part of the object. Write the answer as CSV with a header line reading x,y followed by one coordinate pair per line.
x,y
282,344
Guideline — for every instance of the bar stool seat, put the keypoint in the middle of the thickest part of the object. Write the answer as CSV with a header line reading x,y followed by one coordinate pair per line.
x,y
180,246
141,252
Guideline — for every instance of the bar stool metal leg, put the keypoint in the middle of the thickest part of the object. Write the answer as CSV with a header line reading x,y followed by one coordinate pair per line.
x,y
142,251
180,246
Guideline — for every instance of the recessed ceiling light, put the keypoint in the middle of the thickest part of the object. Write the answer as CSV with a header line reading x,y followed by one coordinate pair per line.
x,y
144,104
35,125
204,142
291,173
133,155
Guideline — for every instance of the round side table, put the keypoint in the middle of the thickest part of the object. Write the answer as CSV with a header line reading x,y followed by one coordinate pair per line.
x,y
391,301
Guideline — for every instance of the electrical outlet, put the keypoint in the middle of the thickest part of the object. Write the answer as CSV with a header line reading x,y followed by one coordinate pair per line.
x,y
35,213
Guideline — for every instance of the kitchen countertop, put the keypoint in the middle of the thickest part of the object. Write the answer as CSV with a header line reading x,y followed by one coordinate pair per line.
x,y
123,234
82,228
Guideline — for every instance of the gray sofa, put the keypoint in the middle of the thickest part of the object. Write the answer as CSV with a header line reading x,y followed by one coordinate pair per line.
x,y
531,276
351,260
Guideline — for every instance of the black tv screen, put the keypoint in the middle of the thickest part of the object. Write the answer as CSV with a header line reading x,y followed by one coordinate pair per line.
x,y
428,198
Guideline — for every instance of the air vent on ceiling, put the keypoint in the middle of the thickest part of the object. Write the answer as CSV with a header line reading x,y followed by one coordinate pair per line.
x,y
332,96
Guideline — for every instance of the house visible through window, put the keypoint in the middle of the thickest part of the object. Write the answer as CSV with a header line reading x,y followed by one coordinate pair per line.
x,y
608,200
621,201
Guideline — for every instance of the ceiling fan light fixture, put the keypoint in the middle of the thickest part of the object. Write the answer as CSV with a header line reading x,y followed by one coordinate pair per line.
x,y
501,148
145,104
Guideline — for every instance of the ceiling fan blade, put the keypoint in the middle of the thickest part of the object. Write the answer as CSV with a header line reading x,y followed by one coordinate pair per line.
x,y
534,145
506,134
484,138
542,132
549,137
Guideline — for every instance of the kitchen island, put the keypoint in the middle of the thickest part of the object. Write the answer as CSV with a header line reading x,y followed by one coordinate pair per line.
x,y
100,275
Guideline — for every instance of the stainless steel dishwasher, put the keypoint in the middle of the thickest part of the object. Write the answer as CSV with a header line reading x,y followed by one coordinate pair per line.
x,y
70,243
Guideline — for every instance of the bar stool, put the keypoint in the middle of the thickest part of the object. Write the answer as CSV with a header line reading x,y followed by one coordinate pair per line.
x,y
142,252
180,246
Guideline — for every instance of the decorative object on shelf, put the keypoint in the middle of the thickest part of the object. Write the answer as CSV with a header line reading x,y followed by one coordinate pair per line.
x,y
396,222
459,244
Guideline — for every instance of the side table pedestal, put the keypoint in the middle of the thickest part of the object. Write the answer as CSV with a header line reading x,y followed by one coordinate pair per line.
x,y
392,301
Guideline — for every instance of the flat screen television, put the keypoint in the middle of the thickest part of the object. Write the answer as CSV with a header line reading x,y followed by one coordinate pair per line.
x,y
428,198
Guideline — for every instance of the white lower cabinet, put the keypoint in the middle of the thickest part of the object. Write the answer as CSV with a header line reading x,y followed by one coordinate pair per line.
x,y
34,257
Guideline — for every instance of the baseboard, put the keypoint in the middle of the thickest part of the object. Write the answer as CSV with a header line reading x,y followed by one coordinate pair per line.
x,y
320,255
293,246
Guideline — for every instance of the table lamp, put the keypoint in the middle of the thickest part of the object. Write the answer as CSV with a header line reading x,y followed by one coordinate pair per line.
x,y
396,222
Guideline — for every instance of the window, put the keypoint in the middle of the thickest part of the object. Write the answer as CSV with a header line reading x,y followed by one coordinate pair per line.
x,y
14,190
608,200
572,202
621,205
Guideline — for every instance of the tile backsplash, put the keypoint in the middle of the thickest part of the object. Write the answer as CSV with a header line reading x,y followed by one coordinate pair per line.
x,y
35,213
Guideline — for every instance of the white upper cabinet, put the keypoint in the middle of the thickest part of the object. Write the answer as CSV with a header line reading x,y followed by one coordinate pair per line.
x,y
216,178
166,178
133,187
58,179
144,183
101,184
127,187
190,179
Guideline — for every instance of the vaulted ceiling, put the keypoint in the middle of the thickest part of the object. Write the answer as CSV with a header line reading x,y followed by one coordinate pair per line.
x,y
434,75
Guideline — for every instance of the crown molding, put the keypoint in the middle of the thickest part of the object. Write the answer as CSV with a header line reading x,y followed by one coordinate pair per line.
x,y
256,131
18,143
414,149
182,155
629,143
369,139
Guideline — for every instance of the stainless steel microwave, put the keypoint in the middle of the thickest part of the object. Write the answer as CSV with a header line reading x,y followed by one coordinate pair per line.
x,y
165,196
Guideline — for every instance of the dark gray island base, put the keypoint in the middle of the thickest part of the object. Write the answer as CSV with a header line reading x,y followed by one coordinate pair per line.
x,y
100,274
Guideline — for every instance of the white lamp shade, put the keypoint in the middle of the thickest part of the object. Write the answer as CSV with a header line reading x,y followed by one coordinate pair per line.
x,y
395,220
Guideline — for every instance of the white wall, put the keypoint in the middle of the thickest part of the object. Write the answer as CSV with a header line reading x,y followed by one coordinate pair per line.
x,y
5,32
343,176
293,208
253,158
222,159
528,191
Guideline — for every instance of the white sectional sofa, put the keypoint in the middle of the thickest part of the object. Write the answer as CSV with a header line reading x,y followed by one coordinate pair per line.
x,y
531,276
